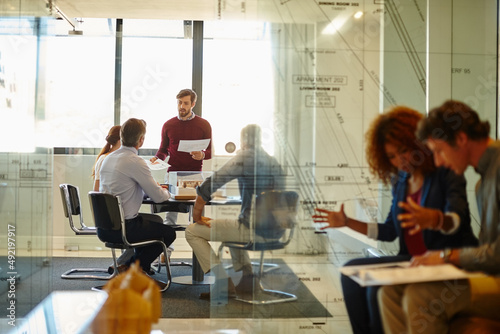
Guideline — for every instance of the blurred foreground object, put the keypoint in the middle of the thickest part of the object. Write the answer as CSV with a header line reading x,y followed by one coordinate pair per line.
x,y
133,304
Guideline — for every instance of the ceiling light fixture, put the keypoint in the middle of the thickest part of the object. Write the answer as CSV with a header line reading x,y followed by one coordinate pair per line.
x,y
70,32
358,15
334,26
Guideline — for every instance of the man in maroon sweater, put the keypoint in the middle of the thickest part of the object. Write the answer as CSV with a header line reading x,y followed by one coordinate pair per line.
x,y
185,126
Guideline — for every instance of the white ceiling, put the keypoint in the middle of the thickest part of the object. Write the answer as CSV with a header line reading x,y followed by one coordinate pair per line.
x,y
151,9
262,10
280,11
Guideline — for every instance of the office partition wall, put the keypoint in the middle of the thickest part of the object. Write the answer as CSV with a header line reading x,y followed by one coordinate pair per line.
x,y
312,74
26,170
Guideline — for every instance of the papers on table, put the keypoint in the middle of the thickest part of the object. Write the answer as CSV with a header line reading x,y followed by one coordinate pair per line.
x,y
402,273
158,164
193,145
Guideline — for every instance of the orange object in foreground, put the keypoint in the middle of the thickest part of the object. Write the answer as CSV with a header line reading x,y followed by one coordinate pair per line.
x,y
132,306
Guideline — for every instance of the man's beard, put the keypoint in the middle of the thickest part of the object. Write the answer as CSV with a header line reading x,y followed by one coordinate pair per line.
x,y
184,112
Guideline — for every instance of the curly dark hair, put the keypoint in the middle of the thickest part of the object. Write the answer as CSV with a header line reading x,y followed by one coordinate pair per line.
x,y
397,126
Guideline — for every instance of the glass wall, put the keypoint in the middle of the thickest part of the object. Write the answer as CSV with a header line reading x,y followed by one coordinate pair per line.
x,y
25,172
313,75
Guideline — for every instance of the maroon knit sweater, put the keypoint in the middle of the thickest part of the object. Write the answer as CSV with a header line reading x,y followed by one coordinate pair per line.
x,y
175,130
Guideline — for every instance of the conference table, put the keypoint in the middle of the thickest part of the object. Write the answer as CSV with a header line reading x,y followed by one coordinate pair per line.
x,y
186,206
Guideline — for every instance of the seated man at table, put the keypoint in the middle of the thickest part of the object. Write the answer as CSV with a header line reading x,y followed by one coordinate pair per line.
x,y
256,171
125,174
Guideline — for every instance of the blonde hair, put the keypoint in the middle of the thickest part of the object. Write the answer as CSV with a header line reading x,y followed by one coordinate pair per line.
x,y
112,139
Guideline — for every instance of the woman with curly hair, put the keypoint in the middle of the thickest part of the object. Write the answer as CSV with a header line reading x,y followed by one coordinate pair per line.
x,y
397,158
112,144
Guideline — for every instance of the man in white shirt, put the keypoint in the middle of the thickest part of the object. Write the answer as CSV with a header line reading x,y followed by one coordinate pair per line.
x,y
125,174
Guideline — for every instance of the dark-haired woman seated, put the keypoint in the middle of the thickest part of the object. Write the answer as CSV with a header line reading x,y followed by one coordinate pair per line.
x,y
396,157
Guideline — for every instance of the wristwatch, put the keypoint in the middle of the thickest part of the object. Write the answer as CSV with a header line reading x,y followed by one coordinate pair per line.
x,y
445,255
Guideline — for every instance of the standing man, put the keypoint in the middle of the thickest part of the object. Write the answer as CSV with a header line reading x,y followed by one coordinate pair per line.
x,y
458,139
125,174
185,126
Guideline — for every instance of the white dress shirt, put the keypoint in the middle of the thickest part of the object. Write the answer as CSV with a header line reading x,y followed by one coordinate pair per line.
x,y
127,175
97,175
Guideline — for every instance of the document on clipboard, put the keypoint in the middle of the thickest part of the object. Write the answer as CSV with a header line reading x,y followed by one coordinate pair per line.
x,y
193,145
402,273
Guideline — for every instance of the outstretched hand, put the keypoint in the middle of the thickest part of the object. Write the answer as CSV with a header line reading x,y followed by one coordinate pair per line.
x,y
333,218
417,217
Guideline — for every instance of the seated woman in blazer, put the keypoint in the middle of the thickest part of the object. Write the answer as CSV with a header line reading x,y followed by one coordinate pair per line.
x,y
396,157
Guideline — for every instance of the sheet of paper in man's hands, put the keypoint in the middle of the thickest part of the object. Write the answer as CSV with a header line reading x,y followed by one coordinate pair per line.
x,y
193,145
158,164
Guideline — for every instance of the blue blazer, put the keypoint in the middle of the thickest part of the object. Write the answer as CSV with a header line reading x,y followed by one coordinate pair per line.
x,y
442,190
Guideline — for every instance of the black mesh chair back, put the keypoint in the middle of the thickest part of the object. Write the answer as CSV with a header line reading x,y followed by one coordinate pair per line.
x,y
273,221
70,196
107,211
275,216
108,215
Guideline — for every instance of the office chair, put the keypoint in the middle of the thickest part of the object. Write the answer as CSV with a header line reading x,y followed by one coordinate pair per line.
x,y
108,215
72,207
275,210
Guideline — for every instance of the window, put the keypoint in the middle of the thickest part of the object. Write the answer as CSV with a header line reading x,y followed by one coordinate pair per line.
x,y
78,86
17,84
157,64
237,81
